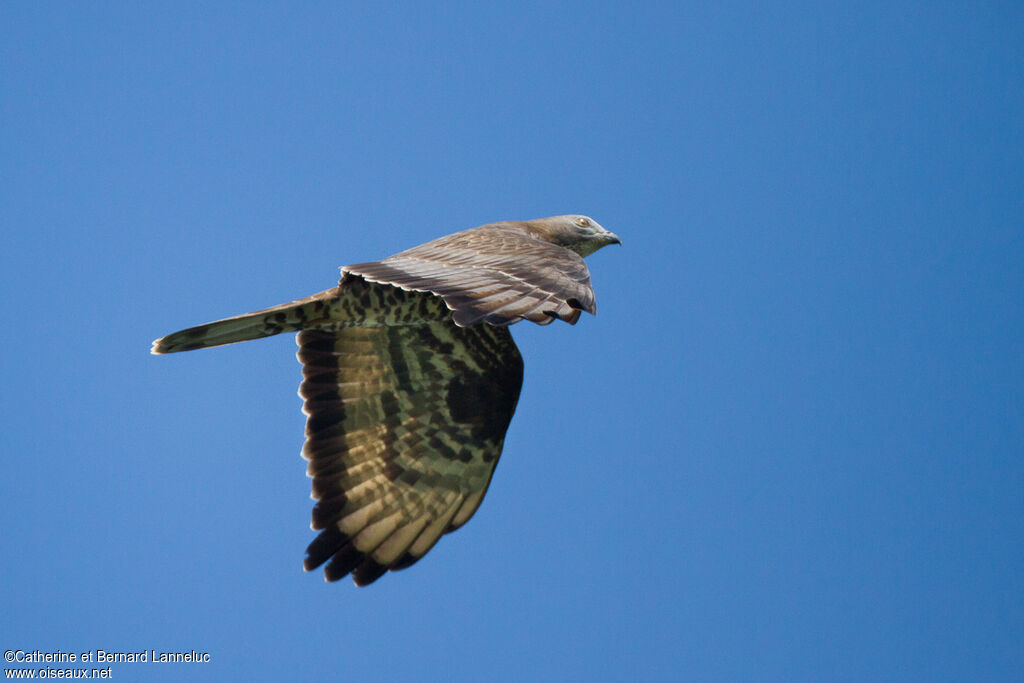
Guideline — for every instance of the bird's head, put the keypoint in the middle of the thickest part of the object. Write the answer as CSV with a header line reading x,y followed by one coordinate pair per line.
x,y
581,234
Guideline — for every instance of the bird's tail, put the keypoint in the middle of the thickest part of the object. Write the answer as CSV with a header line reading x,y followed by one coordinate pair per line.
x,y
287,317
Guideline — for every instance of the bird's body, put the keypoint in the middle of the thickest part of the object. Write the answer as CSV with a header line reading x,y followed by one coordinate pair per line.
x,y
411,377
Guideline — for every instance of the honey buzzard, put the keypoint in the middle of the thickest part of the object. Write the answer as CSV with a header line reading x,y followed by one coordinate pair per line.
x,y
410,379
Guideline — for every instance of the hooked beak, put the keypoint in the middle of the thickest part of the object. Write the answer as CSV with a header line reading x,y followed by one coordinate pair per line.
x,y
612,238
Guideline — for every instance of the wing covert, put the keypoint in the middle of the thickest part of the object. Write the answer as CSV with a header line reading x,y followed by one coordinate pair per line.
x,y
496,273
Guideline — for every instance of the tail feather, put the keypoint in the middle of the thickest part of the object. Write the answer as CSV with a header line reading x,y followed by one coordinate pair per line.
x,y
288,317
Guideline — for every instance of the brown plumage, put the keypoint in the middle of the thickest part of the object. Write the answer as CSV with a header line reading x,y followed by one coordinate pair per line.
x,y
411,377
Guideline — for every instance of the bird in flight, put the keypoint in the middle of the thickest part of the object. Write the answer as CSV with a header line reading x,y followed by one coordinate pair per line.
x,y
410,379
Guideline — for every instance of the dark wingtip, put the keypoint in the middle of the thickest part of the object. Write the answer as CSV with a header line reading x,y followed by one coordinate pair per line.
x,y
405,561
344,559
326,545
368,571
343,562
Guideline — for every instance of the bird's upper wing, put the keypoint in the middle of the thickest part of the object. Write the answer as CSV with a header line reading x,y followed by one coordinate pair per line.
x,y
406,423
496,273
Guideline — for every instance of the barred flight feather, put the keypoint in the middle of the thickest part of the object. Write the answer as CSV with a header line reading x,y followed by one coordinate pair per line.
x,y
409,443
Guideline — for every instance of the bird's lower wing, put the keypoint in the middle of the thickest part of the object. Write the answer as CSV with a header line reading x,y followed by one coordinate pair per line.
x,y
405,427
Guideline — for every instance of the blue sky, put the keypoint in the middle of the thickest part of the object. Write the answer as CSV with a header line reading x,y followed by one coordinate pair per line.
x,y
790,447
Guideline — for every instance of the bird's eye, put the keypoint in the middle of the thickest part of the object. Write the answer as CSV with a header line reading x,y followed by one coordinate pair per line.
x,y
582,222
